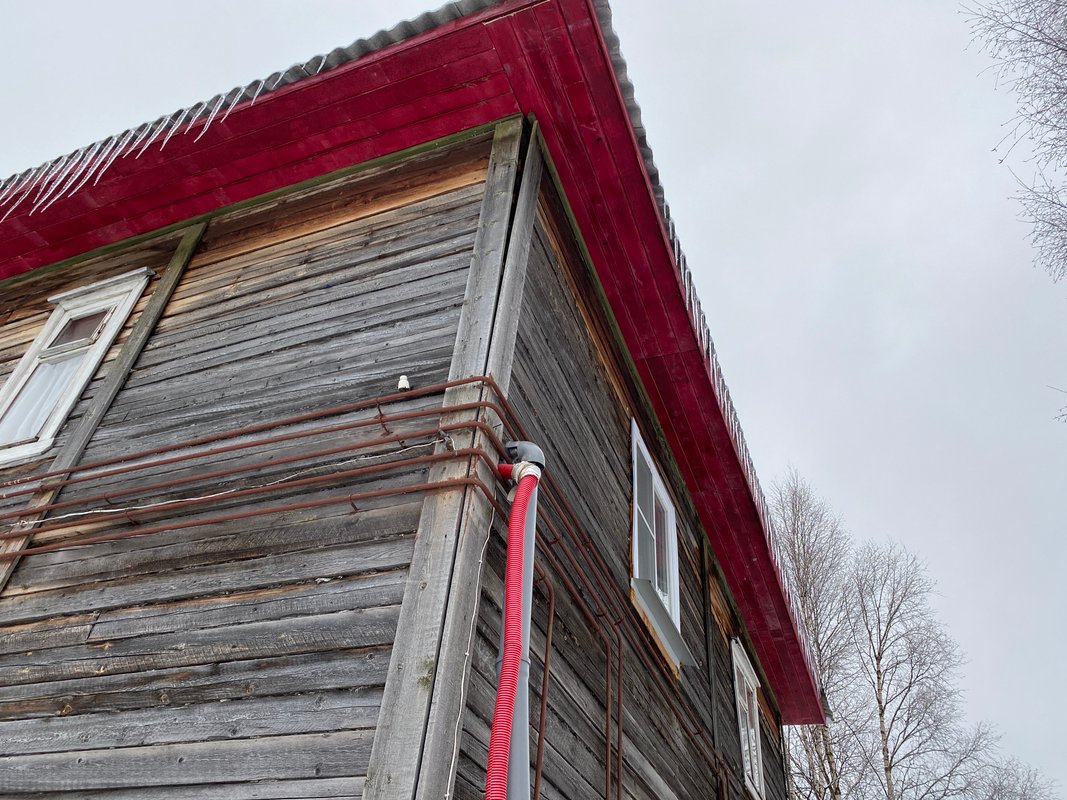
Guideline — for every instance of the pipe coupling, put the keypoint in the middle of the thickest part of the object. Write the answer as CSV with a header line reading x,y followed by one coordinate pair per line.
x,y
524,468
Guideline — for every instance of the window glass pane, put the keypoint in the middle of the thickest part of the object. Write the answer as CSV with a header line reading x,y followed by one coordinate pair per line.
x,y
37,398
78,329
753,734
646,554
643,501
753,765
742,716
663,584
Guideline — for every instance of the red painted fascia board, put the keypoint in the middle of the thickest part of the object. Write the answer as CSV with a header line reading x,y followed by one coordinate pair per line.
x,y
517,56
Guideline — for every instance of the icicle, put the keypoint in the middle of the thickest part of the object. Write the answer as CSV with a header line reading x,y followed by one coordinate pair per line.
x,y
114,154
160,126
12,185
281,76
55,167
261,83
234,102
5,187
211,117
33,175
143,132
195,113
58,180
93,166
79,168
174,127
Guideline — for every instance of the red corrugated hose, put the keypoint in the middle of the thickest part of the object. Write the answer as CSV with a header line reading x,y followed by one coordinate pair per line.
x,y
496,777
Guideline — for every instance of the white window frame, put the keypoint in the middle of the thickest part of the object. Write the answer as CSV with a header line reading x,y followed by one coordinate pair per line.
x,y
746,693
117,296
661,609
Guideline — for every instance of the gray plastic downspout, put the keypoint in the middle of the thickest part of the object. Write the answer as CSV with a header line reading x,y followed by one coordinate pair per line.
x,y
519,745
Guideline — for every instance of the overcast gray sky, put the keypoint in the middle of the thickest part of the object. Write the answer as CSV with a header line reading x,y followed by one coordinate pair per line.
x,y
864,274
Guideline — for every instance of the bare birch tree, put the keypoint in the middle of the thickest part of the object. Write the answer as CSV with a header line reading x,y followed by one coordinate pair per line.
x,y
919,748
1027,40
889,669
825,761
1012,780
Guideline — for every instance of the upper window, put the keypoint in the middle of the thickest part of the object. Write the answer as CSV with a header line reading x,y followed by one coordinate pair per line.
x,y
745,688
655,553
50,377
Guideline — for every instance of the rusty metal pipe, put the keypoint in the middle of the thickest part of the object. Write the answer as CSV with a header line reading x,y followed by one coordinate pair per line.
x,y
546,662
583,578
450,483
422,391
350,447
286,437
108,516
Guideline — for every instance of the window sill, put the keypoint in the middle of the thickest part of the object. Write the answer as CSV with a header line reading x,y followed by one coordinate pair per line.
x,y
16,454
647,599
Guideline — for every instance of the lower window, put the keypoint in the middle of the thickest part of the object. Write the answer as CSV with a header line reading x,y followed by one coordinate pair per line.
x,y
654,579
746,686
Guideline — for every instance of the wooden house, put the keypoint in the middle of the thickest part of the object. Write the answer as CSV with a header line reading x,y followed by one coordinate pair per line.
x,y
259,360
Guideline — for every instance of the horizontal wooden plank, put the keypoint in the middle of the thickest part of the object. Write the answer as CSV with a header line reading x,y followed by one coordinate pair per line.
x,y
236,539
343,629
325,596
325,755
275,570
256,537
331,490
205,683
399,188
269,281
52,632
325,316
314,712
328,788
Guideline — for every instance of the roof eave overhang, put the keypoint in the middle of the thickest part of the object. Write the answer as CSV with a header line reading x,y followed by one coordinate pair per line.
x,y
546,58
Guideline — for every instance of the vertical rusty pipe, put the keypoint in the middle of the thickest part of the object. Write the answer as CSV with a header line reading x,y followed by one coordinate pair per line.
x,y
546,662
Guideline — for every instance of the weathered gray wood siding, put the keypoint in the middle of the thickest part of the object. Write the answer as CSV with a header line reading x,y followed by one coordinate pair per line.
x,y
247,658
569,395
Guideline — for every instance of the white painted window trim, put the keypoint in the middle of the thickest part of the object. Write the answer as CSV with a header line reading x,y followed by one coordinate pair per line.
x,y
662,613
745,681
117,296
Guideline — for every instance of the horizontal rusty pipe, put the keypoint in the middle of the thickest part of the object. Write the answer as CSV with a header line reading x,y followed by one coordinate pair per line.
x,y
360,405
346,448
168,505
435,486
380,419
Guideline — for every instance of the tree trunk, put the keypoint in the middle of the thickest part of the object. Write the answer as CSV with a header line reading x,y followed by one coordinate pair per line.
x,y
831,763
883,735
